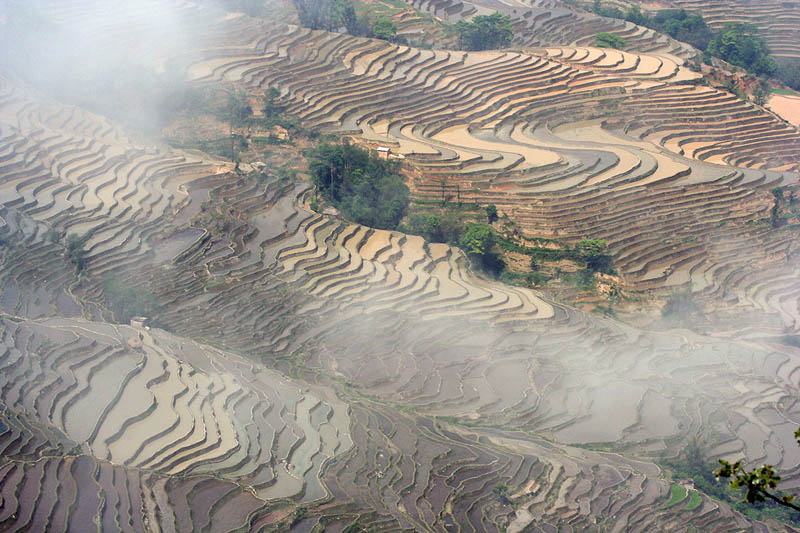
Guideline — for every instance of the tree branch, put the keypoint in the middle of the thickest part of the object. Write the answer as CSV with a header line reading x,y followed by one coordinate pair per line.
x,y
779,500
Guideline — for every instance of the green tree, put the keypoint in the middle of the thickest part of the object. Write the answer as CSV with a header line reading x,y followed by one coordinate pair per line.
x,y
609,40
384,28
271,106
739,45
761,93
788,71
595,253
478,243
683,26
681,307
485,32
478,239
315,14
501,489
126,301
330,15
612,12
364,187
758,482
238,107
75,251
634,14
491,213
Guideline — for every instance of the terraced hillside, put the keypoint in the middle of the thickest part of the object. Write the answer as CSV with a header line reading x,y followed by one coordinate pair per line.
x,y
561,140
779,22
306,373
552,22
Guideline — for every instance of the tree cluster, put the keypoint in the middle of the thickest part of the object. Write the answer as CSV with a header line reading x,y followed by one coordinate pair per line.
x,y
485,32
478,243
739,45
365,188
126,302
594,252
788,71
75,251
445,228
609,40
677,23
683,26
333,15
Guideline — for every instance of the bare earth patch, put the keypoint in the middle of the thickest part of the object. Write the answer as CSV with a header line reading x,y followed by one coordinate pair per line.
x,y
786,106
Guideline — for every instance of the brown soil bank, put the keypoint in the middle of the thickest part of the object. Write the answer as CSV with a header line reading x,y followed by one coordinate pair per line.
x,y
786,106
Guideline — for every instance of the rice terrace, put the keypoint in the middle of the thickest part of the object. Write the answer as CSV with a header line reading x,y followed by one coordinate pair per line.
x,y
399,265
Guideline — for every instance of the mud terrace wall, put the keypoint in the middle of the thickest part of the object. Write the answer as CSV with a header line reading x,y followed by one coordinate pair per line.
x,y
366,375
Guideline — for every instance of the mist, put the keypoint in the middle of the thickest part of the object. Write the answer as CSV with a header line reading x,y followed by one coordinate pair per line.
x,y
71,53
192,336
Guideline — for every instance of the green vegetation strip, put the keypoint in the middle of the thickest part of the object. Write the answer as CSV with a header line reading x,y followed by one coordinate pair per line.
x,y
694,501
677,495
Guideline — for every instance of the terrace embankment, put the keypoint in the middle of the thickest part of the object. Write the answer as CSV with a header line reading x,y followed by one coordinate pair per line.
x,y
569,142
778,22
389,387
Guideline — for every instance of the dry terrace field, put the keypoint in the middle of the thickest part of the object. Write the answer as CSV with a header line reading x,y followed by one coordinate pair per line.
x,y
312,372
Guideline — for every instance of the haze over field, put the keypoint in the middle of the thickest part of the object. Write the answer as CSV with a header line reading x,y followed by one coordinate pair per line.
x,y
272,265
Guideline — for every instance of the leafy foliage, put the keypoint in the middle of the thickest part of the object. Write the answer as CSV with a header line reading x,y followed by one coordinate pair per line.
x,y
491,213
384,28
683,26
788,71
501,490
609,40
485,32
364,187
478,239
739,45
758,483
693,465
478,243
595,253
75,251
680,305
331,15
126,302
677,23
436,228
238,107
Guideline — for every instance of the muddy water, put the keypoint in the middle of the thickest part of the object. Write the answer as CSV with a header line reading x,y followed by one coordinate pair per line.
x,y
175,244
786,106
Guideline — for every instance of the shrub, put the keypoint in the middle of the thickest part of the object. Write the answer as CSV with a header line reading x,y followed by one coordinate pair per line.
x,y
75,251
680,305
384,28
595,253
609,40
485,32
739,45
446,227
491,213
126,302
364,187
478,243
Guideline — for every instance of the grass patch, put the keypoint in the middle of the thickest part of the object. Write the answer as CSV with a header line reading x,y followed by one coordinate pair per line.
x,y
692,465
785,92
676,495
694,501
